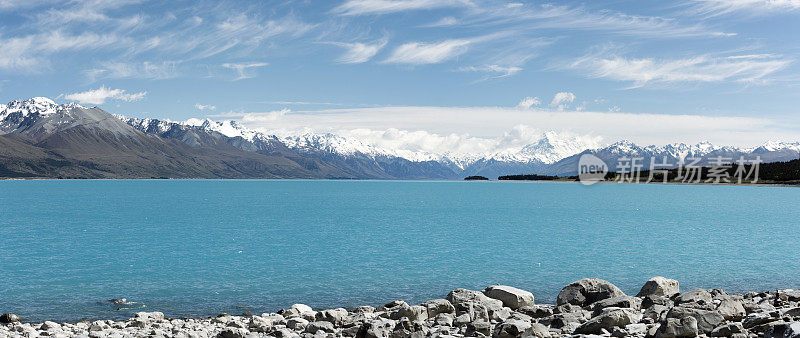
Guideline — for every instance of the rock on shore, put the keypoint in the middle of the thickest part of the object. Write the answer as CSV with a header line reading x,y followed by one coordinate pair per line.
x,y
584,308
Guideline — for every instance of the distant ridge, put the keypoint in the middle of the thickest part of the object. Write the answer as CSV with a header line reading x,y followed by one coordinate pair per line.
x,y
40,138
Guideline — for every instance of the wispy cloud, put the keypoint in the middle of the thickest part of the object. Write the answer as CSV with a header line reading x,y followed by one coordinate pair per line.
x,y
361,7
134,70
126,36
29,51
243,69
205,107
265,117
358,52
705,68
444,22
418,53
747,7
100,95
494,71
534,16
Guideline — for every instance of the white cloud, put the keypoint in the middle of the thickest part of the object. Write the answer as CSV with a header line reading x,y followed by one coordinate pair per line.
x,y
100,95
444,22
499,71
134,70
489,122
360,52
562,99
29,51
529,102
705,68
361,7
257,118
122,36
749,7
532,17
205,106
242,69
418,53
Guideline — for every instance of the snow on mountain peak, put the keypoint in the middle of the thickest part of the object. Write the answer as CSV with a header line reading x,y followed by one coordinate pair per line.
x,y
549,148
228,128
35,106
775,145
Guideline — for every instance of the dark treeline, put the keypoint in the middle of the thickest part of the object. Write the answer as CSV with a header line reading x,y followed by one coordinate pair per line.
x,y
530,177
773,172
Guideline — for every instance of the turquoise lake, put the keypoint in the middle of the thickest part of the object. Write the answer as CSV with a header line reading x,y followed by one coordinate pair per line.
x,y
201,247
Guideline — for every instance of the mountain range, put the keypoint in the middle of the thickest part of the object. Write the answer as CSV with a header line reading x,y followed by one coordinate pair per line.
x,y
40,138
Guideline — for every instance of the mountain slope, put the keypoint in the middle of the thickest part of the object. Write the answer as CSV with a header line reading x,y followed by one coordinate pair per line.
x,y
95,144
672,154
40,138
328,153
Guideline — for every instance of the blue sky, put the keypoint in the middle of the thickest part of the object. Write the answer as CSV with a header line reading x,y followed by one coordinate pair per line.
x,y
649,71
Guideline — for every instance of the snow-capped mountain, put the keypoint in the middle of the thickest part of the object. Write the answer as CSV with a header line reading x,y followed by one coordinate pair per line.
x,y
93,134
551,148
21,113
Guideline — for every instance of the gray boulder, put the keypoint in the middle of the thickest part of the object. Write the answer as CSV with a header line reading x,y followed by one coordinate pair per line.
x,y
537,311
609,319
675,327
659,286
511,328
148,316
296,310
791,312
621,302
731,309
463,319
587,291
284,333
314,327
707,320
462,299
756,319
727,330
510,296
335,316
696,298
9,318
438,306
233,332
478,327
789,295
500,315
537,330
783,330
48,325
444,319
656,312
377,328
413,313
296,323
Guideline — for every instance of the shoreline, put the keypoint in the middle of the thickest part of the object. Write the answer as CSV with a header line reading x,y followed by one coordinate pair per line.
x,y
782,185
588,306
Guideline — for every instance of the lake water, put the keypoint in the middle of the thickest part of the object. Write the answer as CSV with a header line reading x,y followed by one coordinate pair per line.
x,y
201,247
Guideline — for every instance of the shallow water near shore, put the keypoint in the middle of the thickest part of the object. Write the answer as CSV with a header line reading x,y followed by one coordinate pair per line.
x,y
201,247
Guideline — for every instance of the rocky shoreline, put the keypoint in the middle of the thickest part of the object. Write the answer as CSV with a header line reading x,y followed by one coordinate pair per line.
x,y
586,307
